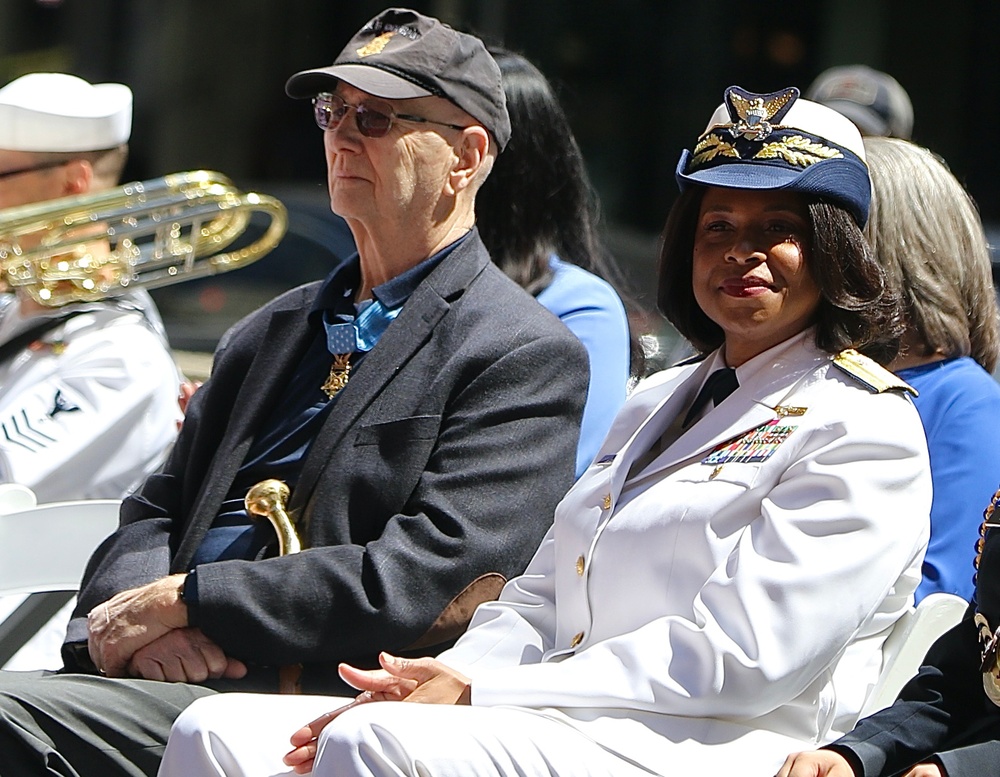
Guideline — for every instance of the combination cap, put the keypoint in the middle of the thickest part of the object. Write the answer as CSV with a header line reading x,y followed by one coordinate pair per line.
x,y
779,141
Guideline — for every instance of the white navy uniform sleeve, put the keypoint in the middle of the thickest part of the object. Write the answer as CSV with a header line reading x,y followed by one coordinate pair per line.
x,y
90,408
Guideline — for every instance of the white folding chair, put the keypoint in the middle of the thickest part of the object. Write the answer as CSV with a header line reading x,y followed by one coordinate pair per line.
x,y
43,552
908,643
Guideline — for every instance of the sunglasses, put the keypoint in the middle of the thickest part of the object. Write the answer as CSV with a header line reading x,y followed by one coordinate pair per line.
x,y
32,169
373,117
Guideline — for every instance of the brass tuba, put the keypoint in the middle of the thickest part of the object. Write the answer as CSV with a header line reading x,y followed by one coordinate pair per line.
x,y
146,234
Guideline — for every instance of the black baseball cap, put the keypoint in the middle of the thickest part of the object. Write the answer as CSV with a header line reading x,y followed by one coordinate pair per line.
x,y
402,54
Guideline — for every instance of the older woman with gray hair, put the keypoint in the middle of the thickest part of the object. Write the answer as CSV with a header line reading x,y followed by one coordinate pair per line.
x,y
925,231
927,234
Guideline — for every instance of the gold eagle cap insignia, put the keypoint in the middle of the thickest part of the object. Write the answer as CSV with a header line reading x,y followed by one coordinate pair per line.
x,y
754,112
376,44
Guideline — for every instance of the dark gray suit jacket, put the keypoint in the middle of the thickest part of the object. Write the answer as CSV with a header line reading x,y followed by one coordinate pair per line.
x,y
434,477
942,714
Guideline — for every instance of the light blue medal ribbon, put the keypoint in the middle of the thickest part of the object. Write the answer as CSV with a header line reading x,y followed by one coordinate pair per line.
x,y
360,334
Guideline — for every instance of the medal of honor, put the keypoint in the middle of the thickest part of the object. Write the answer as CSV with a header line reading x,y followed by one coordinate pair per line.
x,y
340,373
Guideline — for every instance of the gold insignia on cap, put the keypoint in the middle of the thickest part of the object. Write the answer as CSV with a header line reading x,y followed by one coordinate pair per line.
x,y
755,113
711,146
375,45
870,373
797,150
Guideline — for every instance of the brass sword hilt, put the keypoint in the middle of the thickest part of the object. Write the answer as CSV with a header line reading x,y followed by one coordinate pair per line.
x,y
267,500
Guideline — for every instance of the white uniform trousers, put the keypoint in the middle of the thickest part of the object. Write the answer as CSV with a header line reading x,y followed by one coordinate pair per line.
x,y
247,734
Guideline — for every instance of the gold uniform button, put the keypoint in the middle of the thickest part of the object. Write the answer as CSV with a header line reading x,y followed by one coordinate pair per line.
x,y
607,501
577,639
580,566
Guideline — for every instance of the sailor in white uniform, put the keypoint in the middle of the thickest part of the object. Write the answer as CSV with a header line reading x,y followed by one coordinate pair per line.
x,y
88,390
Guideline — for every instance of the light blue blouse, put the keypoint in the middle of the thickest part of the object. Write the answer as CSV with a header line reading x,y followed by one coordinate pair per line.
x,y
959,407
592,310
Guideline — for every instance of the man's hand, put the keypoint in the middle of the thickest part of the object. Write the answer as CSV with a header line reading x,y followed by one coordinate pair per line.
x,y
184,656
925,770
420,680
816,763
132,619
187,390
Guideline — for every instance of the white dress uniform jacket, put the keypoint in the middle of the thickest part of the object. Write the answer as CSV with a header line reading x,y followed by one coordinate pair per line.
x,y
89,409
724,606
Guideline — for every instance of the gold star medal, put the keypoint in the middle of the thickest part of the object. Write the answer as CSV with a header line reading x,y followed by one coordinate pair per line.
x,y
340,373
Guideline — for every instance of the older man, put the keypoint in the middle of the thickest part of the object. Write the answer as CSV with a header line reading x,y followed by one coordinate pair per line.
x,y
422,408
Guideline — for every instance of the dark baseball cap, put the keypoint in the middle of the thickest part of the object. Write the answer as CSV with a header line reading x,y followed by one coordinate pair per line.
x,y
402,54
873,100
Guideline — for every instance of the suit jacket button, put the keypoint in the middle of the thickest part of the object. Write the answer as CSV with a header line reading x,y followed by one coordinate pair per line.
x,y
580,566
577,639
607,501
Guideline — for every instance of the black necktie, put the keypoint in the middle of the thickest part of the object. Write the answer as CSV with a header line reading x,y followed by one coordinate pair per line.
x,y
720,384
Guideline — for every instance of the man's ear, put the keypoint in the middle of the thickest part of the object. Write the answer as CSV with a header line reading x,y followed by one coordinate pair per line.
x,y
470,156
78,175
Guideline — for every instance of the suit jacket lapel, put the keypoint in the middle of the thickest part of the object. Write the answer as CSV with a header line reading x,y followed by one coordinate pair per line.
x,y
264,382
411,329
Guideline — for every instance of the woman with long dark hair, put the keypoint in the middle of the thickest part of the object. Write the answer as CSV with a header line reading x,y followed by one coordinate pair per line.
x,y
537,215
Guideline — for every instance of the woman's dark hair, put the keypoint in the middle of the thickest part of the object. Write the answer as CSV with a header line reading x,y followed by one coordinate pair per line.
x,y
858,308
538,200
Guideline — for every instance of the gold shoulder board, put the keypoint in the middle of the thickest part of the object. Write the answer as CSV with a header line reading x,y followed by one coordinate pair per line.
x,y
870,373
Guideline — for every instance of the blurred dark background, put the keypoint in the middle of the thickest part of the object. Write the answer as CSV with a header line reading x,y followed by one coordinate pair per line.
x,y
639,79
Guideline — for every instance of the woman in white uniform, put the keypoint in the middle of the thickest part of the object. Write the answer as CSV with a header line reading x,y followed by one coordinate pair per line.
x,y
719,583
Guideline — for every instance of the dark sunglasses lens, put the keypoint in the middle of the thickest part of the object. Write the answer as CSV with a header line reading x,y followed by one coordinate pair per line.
x,y
373,122
321,112
328,110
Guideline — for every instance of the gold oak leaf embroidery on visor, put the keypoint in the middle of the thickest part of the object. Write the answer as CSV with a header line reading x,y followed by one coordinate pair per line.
x,y
797,150
710,147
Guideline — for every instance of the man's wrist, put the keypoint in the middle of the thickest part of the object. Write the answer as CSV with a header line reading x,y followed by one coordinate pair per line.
x,y
188,594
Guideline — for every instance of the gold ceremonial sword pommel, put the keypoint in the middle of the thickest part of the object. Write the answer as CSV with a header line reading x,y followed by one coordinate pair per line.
x,y
267,500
